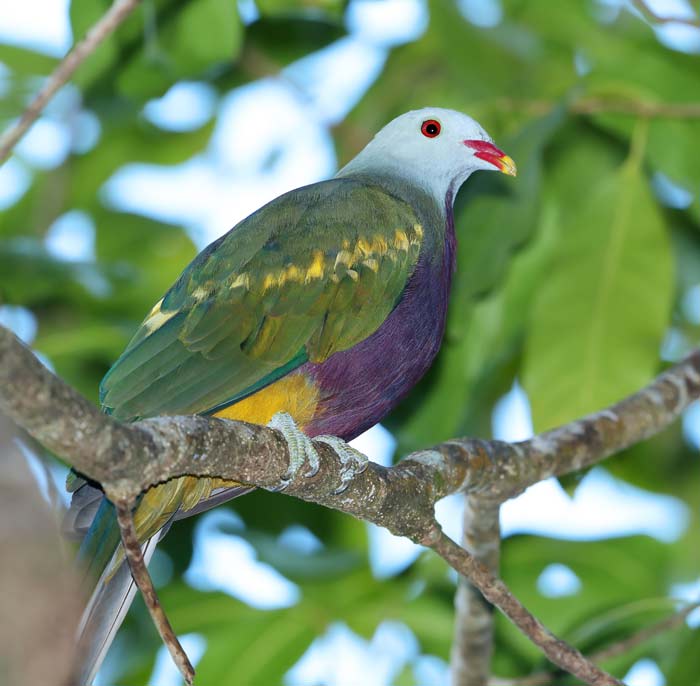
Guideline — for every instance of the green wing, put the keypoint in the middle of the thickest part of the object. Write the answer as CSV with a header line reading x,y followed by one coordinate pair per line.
x,y
313,272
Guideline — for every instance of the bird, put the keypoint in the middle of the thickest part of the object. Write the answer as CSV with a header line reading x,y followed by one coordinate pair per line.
x,y
315,315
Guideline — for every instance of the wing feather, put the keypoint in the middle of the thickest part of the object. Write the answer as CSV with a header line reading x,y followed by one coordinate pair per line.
x,y
314,272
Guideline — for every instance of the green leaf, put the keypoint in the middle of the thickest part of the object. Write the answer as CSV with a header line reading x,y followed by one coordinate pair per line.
x,y
667,150
686,667
623,583
249,646
83,15
26,62
297,565
282,40
601,313
149,254
30,275
495,215
625,62
161,42
623,57
200,36
307,8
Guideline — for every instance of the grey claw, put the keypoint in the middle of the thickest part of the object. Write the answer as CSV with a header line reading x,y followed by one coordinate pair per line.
x,y
280,486
362,465
352,461
342,488
301,451
313,471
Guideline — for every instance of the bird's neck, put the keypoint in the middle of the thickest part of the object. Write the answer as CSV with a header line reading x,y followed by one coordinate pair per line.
x,y
450,254
372,164
403,188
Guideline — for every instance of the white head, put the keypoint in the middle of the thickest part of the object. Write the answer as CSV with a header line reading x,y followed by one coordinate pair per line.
x,y
435,148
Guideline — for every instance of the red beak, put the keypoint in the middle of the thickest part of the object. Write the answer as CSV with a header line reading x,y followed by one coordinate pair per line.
x,y
491,154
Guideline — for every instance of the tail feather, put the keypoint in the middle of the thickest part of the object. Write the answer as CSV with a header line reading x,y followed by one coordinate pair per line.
x,y
103,559
105,613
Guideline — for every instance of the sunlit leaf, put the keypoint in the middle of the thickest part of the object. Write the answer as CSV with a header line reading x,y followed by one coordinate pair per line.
x,y
161,42
601,313
25,62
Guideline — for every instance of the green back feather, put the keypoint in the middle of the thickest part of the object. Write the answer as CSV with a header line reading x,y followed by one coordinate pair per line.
x,y
313,272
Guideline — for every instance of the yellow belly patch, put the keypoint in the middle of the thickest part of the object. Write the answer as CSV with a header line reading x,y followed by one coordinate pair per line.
x,y
294,394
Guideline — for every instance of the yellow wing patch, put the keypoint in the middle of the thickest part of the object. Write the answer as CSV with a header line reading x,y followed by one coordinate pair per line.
x,y
241,280
365,252
317,267
401,240
156,318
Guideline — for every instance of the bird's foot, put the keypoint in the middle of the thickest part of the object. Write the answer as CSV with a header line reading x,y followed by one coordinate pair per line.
x,y
353,462
301,449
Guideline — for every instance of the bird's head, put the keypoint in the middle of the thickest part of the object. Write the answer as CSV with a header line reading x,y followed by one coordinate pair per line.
x,y
433,147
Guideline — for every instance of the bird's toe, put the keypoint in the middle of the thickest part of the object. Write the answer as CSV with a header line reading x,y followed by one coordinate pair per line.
x,y
353,462
301,449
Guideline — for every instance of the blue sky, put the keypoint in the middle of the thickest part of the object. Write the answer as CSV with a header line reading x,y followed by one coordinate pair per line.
x,y
230,179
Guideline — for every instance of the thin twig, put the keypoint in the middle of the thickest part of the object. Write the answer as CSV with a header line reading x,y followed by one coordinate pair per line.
x,y
642,108
657,18
645,634
599,104
142,578
472,646
114,16
496,592
611,651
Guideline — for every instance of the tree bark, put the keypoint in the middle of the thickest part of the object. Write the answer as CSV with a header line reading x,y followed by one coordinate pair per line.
x,y
128,459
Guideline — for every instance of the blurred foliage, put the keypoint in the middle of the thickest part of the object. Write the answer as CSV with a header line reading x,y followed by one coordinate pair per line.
x,y
570,278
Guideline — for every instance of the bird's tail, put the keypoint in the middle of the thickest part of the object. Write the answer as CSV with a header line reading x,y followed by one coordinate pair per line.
x,y
103,559
113,593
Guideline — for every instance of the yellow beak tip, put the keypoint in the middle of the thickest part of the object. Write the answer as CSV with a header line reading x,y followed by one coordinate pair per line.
x,y
507,166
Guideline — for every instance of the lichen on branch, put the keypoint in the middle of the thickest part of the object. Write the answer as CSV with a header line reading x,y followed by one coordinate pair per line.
x,y
127,459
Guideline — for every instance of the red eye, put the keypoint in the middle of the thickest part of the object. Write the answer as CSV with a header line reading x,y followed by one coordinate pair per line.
x,y
430,128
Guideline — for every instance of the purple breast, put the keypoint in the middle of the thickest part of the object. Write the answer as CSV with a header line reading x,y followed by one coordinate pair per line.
x,y
360,386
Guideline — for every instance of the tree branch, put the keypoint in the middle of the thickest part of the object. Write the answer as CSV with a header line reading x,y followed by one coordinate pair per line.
x,y
139,572
472,646
653,16
40,594
598,104
611,651
496,592
128,459
116,14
